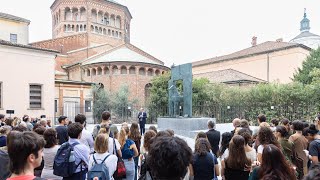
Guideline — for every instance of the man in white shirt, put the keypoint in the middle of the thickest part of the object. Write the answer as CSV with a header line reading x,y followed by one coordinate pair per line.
x,y
113,149
86,137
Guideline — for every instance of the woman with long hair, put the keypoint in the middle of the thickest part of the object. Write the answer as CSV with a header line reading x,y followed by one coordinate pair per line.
x,y
265,137
286,146
236,165
135,135
250,152
274,166
204,165
129,151
144,169
49,152
225,140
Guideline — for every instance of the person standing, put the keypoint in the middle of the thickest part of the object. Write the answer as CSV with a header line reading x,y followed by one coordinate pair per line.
x,y
142,116
213,137
62,130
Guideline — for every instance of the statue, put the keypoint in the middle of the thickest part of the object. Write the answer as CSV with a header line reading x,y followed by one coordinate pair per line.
x,y
176,100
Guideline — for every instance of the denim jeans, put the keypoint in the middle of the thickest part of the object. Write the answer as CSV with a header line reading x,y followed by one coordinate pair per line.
x,y
130,169
136,160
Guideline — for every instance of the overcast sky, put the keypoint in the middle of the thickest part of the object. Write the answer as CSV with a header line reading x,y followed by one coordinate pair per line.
x,y
180,31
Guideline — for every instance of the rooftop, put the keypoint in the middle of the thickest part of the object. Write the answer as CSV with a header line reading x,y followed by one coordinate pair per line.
x,y
305,34
229,76
263,48
13,18
8,43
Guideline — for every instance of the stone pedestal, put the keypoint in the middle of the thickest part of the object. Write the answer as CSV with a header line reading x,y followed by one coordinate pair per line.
x,y
188,127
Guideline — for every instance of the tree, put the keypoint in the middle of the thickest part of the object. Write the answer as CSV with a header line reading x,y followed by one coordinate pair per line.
x,y
309,65
121,102
101,102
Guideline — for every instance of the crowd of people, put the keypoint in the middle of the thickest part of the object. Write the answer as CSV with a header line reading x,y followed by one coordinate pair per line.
x,y
280,149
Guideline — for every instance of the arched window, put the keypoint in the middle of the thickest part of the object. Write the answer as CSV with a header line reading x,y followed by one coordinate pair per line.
x,y
147,91
162,72
157,72
94,72
85,27
67,14
106,18
150,72
100,30
72,28
106,70
94,15
118,22
64,28
124,70
77,28
88,72
83,14
96,30
75,14
104,31
100,17
99,70
142,71
132,70
117,34
92,28
112,20
115,70
109,32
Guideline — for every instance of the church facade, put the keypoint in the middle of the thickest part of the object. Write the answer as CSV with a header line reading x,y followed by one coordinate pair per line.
x,y
93,38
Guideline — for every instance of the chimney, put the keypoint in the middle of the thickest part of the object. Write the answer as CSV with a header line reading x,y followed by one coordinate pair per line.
x,y
254,41
279,40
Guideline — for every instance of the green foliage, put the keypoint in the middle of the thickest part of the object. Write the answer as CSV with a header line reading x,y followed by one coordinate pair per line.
x,y
101,101
306,74
121,102
293,101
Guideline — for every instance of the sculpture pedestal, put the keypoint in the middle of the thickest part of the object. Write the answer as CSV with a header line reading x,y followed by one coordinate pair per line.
x,y
188,127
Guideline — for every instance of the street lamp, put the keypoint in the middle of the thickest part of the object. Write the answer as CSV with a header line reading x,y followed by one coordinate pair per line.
x,y
272,107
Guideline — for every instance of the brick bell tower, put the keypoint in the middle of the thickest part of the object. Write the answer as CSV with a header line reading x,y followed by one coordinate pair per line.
x,y
102,20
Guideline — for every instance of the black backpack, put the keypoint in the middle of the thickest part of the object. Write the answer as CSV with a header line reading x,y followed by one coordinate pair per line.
x,y
64,165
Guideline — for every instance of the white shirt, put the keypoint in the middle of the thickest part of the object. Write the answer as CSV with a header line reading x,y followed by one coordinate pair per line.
x,y
111,146
260,149
252,155
110,162
87,139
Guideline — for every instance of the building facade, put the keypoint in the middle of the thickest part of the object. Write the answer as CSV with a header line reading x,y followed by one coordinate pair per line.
x,y
29,87
93,38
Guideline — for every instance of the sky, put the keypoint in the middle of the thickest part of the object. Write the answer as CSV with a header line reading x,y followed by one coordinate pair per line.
x,y
182,31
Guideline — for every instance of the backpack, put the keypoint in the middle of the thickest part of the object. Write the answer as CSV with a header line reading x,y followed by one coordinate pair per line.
x,y
100,171
64,162
145,170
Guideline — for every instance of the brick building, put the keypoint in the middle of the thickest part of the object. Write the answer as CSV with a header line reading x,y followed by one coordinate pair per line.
x,y
93,38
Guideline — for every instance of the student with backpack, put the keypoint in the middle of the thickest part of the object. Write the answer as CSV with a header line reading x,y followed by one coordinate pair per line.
x,y
102,164
72,157
104,121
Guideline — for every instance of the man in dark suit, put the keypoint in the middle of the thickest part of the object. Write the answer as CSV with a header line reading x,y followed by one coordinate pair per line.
x,y
213,137
142,116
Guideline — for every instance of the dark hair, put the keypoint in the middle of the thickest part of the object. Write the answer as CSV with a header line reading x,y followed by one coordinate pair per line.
x,y
163,133
297,125
237,158
40,130
36,126
74,130
169,157
262,118
134,133
246,134
147,139
170,131
275,122
285,122
312,130
266,136
50,135
80,118
20,128
201,135
314,172
202,147
2,116
274,165
105,115
61,118
20,146
153,128
211,123
282,130
43,116
244,124
9,121
225,140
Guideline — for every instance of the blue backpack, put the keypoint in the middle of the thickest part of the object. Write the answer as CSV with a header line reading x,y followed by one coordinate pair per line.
x,y
100,171
64,162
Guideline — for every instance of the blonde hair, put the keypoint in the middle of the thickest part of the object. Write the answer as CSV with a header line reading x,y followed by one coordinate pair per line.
x,y
102,131
101,143
122,137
